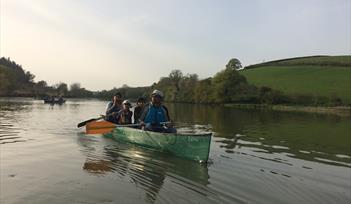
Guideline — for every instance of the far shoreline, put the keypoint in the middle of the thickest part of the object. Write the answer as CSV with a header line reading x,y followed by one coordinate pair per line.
x,y
344,111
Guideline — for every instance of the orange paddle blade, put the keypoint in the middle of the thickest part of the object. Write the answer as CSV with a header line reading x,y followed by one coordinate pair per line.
x,y
99,127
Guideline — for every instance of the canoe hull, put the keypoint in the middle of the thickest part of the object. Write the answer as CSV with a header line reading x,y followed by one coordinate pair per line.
x,y
189,146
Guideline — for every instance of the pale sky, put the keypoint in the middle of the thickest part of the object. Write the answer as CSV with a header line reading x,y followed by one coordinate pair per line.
x,y
107,43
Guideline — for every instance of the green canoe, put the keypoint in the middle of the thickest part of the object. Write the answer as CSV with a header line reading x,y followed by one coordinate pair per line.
x,y
190,146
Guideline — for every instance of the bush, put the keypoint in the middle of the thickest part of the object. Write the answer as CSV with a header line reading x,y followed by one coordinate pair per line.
x,y
303,99
335,100
321,101
270,96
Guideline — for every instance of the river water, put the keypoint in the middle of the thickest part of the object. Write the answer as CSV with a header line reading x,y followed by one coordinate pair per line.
x,y
255,157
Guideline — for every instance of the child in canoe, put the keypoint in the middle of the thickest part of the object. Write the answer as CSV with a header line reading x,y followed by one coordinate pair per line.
x,y
124,116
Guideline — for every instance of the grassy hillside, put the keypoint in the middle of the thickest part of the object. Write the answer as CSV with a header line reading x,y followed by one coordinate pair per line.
x,y
338,61
323,76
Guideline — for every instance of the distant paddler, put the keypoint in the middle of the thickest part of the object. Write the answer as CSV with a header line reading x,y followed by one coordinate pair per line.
x,y
113,107
155,115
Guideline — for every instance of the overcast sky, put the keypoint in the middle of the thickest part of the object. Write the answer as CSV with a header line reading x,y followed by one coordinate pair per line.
x,y
106,43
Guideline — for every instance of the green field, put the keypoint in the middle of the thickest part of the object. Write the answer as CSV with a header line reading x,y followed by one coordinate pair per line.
x,y
316,76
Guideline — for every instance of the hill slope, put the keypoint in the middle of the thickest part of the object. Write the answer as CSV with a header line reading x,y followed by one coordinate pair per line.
x,y
13,79
324,76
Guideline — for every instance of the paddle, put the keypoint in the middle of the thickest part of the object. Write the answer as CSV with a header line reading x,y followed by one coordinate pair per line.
x,y
106,127
138,124
81,124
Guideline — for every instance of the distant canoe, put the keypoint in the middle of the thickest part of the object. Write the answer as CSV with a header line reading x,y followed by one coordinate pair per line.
x,y
56,101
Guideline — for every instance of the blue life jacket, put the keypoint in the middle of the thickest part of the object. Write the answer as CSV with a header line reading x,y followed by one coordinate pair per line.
x,y
155,115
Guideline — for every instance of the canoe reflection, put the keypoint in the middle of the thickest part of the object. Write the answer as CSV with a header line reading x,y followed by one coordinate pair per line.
x,y
147,169
97,166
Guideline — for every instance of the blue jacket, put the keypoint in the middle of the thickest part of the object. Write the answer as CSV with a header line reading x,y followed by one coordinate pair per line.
x,y
154,115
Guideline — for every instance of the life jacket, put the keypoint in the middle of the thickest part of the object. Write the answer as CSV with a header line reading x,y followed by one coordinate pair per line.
x,y
154,115
124,117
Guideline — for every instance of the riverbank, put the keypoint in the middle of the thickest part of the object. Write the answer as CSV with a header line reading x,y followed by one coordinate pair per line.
x,y
344,111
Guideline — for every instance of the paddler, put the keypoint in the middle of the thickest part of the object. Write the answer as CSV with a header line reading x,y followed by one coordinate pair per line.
x,y
124,116
138,110
113,107
155,116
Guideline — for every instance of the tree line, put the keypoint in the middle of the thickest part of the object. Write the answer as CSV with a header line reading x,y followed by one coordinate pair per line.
x,y
229,86
226,86
15,81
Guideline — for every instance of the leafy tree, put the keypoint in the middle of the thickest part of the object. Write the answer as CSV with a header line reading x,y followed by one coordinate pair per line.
x,y
4,84
131,93
234,64
61,88
203,91
74,87
29,77
225,84
40,88
14,79
175,77
75,90
42,83
269,96
177,87
187,88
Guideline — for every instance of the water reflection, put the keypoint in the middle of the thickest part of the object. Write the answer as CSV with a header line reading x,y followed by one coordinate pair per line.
x,y
306,136
147,169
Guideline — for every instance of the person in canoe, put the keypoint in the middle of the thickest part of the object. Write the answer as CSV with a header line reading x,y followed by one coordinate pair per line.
x,y
155,115
124,116
60,99
138,110
113,107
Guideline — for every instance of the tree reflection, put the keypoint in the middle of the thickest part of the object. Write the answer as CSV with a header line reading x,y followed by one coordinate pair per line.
x,y
302,135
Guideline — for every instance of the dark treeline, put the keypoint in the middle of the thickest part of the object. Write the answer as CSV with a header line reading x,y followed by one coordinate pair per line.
x,y
131,93
227,86
15,81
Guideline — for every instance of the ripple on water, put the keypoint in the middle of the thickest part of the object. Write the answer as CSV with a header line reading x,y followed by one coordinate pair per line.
x,y
9,134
